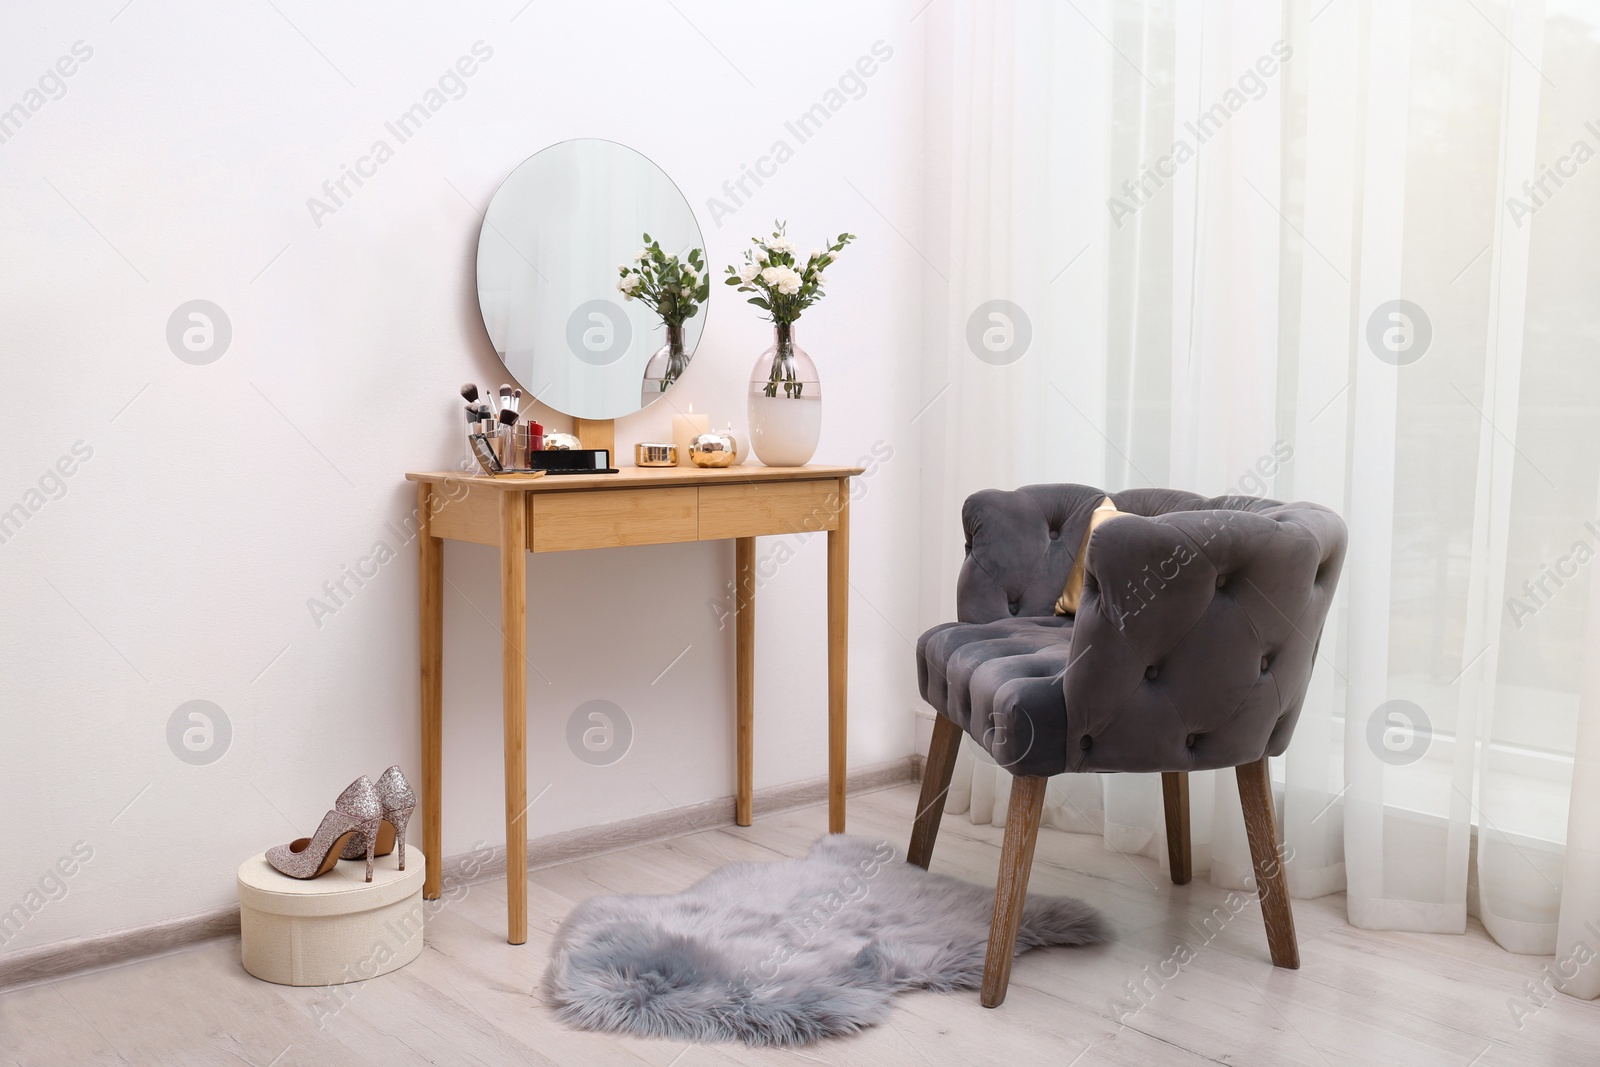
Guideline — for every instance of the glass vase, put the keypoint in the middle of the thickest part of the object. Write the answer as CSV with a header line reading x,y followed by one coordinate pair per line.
x,y
785,405
665,367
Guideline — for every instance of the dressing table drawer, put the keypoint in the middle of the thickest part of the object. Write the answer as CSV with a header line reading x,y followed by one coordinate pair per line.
x,y
611,518
755,509
463,512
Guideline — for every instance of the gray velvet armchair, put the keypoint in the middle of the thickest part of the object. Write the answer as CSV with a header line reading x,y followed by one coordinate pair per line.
x,y
1191,649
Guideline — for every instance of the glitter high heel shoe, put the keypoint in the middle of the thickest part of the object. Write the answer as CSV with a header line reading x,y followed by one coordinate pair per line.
x,y
352,824
398,803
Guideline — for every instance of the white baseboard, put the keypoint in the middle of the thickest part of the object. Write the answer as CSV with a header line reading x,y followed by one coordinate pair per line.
x,y
31,965
76,954
486,866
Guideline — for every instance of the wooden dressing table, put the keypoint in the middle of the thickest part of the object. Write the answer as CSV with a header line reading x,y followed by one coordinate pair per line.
x,y
637,506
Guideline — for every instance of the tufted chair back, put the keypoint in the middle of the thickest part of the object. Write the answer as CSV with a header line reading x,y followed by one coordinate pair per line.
x,y
1020,546
1194,641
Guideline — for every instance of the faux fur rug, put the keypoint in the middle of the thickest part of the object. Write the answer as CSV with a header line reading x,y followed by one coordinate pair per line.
x,y
785,953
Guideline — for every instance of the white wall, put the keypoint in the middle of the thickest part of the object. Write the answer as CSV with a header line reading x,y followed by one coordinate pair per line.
x,y
176,562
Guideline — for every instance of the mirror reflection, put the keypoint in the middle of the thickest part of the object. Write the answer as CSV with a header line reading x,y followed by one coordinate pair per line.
x,y
591,278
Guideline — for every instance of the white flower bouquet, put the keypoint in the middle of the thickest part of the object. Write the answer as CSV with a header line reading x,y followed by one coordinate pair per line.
x,y
783,285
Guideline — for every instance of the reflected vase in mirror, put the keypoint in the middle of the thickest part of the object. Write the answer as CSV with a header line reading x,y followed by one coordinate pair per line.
x,y
665,367
785,403
674,289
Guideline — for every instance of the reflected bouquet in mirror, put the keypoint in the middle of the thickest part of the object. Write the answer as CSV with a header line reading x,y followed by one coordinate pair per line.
x,y
674,289
782,432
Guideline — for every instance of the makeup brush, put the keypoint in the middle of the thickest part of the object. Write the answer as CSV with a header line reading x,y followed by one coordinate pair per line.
x,y
469,392
508,437
516,395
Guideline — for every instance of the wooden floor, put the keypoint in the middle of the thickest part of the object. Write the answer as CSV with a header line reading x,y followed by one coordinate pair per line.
x,y
1360,997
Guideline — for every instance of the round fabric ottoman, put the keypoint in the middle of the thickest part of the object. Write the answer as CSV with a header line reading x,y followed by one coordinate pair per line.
x,y
332,929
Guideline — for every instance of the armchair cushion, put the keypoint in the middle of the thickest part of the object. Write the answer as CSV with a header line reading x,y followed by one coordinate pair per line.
x,y
1010,670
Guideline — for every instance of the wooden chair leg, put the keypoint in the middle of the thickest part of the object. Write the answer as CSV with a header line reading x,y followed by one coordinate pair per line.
x,y
1011,890
935,787
1255,794
1175,798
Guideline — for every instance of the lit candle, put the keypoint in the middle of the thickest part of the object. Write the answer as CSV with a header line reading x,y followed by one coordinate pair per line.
x,y
686,428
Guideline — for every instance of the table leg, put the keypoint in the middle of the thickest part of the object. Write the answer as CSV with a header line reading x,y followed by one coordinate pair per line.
x,y
430,626
838,644
514,687
744,574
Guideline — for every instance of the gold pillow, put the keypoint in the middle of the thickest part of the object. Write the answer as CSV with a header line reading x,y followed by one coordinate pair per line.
x,y
1068,602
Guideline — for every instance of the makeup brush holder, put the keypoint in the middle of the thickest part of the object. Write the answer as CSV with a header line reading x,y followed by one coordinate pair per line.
x,y
528,442
496,448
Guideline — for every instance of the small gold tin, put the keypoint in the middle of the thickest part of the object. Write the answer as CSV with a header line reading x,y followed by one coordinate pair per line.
x,y
655,454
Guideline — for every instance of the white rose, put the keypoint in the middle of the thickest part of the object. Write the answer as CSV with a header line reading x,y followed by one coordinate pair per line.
x,y
761,255
638,257
771,275
789,282
832,256
780,243
748,272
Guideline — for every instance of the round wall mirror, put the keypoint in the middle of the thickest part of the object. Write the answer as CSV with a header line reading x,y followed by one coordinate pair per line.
x,y
550,253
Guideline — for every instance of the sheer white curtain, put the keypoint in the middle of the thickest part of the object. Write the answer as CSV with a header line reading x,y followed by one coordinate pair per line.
x,y
1165,246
